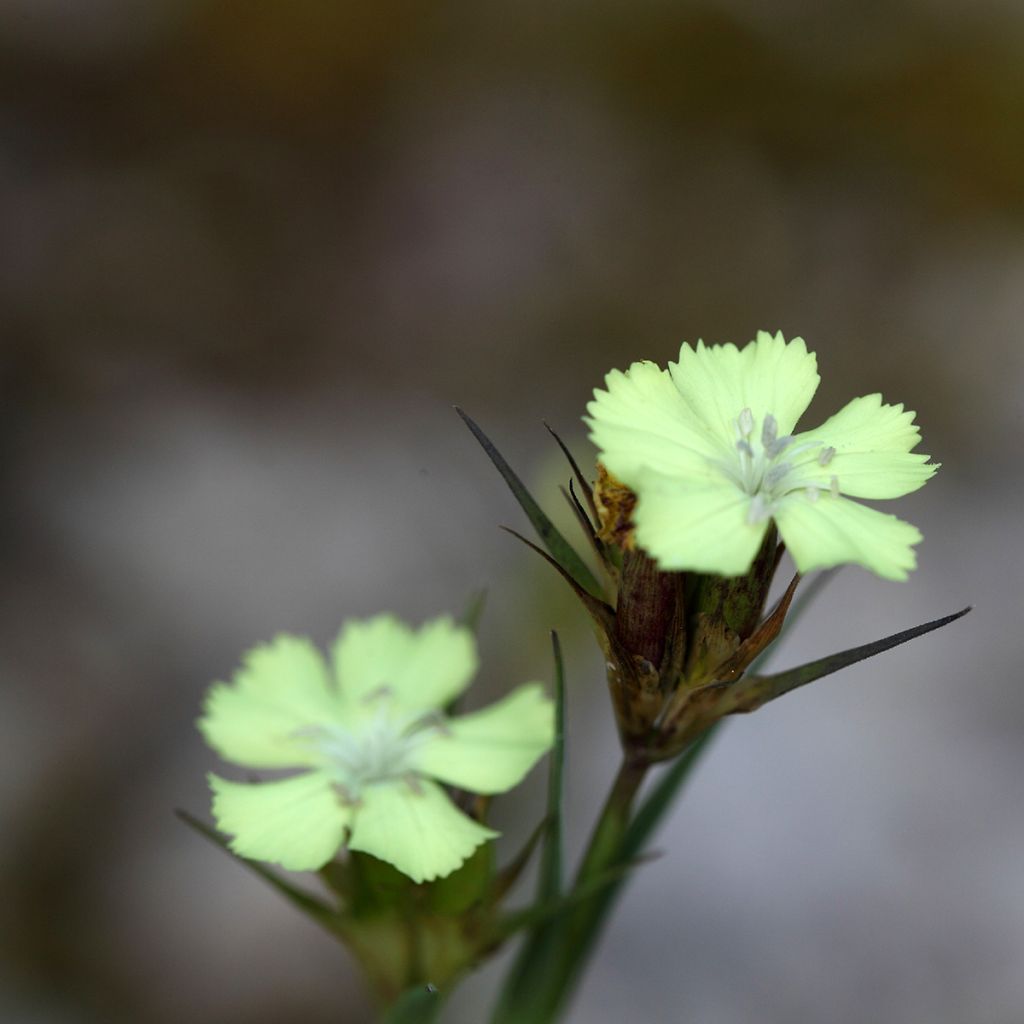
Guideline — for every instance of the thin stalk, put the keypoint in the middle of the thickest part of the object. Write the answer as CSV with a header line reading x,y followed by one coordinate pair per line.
x,y
603,855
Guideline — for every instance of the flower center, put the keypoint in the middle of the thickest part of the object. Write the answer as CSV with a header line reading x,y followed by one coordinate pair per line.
x,y
765,461
377,747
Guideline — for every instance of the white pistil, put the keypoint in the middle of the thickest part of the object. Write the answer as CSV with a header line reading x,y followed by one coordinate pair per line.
x,y
759,510
746,423
377,749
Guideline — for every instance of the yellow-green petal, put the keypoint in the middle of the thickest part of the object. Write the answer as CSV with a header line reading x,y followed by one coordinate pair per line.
x,y
420,669
491,750
299,823
282,688
833,531
698,527
640,421
867,424
414,826
872,443
878,474
769,375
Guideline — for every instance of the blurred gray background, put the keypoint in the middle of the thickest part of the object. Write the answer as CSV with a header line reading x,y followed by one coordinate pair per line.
x,y
252,252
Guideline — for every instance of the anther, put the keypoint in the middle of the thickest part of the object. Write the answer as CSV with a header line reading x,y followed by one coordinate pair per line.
x,y
833,485
769,430
776,473
746,422
778,446
744,446
812,494
826,455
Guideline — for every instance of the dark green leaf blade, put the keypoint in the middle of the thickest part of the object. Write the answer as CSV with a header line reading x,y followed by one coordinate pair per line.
x,y
517,1002
418,1005
549,885
584,483
305,902
561,550
474,610
752,692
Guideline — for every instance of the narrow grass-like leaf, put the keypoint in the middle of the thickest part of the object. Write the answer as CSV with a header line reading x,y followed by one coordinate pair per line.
x,y
561,550
600,612
584,483
544,914
588,530
509,874
752,692
474,610
305,902
523,985
418,1005
549,883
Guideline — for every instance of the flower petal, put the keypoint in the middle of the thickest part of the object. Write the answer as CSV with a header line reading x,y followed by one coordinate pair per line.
x,y
872,443
282,688
866,474
640,421
491,750
833,531
298,823
702,528
769,375
421,669
867,424
414,826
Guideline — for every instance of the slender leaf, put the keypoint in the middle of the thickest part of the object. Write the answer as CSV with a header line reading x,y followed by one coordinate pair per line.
x,y
304,901
549,884
474,610
602,613
754,691
544,914
418,1005
578,511
509,874
588,491
544,917
561,550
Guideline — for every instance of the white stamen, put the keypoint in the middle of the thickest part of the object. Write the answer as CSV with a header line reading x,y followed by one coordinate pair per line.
x,y
769,431
778,446
744,446
746,422
833,486
826,455
775,474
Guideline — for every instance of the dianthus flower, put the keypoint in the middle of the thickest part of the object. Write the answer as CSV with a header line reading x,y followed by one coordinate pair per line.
x,y
708,447
373,744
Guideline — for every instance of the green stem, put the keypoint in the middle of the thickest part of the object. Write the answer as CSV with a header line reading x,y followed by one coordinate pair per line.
x,y
607,836
603,855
